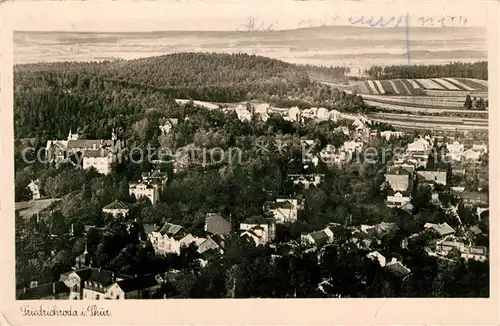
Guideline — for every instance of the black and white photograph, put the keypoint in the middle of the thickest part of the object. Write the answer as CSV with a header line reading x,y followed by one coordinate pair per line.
x,y
253,154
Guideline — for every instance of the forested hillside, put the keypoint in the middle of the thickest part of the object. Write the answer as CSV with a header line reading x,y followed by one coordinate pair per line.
x,y
477,70
51,98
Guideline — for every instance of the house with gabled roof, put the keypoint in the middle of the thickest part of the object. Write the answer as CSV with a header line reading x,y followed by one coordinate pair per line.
x,y
145,189
216,224
432,176
133,288
116,209
211,243
397,268
398,198
262,230
375,255
169,239
398,179
284,210
89,283
318,238
442,229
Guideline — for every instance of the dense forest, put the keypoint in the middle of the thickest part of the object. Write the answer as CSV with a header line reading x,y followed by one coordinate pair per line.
x,y
477,70
49,99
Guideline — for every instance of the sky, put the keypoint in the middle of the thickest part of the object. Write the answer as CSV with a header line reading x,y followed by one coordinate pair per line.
x,y
224,15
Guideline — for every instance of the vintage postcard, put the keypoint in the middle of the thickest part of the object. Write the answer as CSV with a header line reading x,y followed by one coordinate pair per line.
x,y
249,162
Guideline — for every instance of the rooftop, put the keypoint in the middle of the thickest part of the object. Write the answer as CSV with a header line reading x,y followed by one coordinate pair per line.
x,y
116,205
42,291
137,283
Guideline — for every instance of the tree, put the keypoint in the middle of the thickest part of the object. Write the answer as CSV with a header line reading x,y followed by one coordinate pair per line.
x,y
468,102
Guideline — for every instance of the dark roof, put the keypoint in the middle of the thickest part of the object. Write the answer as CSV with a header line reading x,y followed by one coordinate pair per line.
x,y
116,205
100,276
96,152
474,196
148,228
259,220
89,143
216,224
42,291
319,237
171,229
397,170
283,204
398,268
137,283
246,232
476,230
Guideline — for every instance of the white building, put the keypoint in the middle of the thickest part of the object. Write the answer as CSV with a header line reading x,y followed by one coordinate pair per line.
x,y
455,150
482,148
398,199
34,187
322,114
306,180
285,210
318,238
144,189
243,113
99,159
261,230
419,148
171,238
471,155
294,114
391,134
375,255
116,209
335,115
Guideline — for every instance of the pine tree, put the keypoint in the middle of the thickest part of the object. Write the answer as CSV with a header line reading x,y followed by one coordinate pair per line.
x,y
468,102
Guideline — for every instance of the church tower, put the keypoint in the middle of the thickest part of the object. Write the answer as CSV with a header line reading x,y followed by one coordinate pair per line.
x,y
83,260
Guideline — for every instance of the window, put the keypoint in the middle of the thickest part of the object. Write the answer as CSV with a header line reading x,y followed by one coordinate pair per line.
x,y
111,294
118,297
97,296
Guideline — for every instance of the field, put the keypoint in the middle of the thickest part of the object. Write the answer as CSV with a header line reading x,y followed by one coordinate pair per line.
x,y
420,87
425,122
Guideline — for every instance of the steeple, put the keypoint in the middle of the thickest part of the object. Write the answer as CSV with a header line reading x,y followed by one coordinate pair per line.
x,y
82,260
